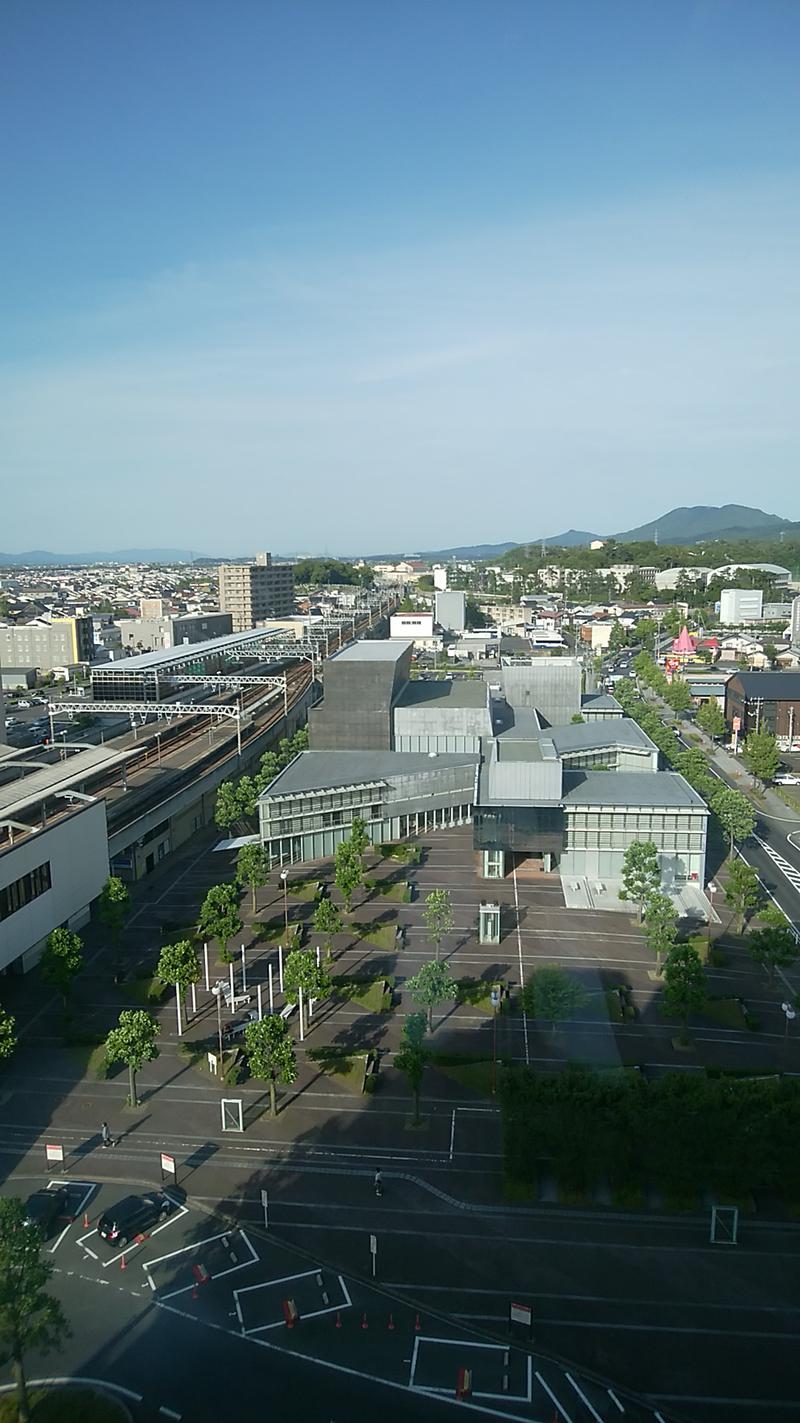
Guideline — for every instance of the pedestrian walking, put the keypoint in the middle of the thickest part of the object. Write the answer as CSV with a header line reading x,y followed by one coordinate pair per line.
x,y
378,1182
106,1136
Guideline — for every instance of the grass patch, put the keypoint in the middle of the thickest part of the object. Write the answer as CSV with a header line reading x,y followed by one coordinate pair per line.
x,y
627,1196
680,1201
306,889
382,936
64,1405
93,1061
403,854
727,1012
397,890
476,1076
478,994
274,932
145,991
374,995
346,1068
520,1193
573,1196
196,1053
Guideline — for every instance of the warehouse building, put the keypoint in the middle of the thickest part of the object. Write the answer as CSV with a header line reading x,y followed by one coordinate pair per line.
x,y
765,701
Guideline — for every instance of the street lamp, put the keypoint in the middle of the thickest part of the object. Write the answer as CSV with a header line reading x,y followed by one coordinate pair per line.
x,y
790,1015
495,997
284,876
217,990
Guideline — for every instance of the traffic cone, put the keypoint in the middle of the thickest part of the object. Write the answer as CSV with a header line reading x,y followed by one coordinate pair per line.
x,y
364,1324
390,1325
86,1220
417,1325
122,1264
338,1320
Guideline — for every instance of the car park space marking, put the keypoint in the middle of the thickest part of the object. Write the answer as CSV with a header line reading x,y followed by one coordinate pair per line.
x,y
149,1265
467,1346
90,1188
562,1412
134,1244
582,1396
344,1303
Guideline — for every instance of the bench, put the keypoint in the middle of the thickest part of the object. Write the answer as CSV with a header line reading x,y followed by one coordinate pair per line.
x,y
287,1010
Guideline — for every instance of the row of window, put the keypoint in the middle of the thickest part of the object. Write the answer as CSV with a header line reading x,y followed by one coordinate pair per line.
x,y
620,840
22,891
642,822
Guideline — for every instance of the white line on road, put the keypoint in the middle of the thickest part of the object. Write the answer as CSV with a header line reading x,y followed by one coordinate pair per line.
x,y
559,1405
452,1132
582,1396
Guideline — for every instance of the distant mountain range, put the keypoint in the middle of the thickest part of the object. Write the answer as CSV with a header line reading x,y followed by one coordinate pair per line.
x,y
36,558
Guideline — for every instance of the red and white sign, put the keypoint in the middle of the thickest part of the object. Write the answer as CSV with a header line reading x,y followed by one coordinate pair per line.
x,y
54,1154
737,723
521,1314
167,1164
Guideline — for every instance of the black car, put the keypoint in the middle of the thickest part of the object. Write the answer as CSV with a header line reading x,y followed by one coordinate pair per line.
x,y
44,1207
134,1215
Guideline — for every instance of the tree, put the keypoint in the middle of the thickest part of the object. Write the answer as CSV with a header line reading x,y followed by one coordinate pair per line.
x,y
301,971
252,868
711,720
114,907
678,695
61,961
8,1035
735,814
761,755
438,917
133,1042
684,984
219,917
770,652
553,994
742,891
773,947
431,985
177,964
359,839
348,872
271,1054
660,925
641,873
226,807
327,921
413,1056
29,1317
618,638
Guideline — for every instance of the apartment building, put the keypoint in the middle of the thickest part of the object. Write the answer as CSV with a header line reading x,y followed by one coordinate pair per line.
x,y
251,592
47,644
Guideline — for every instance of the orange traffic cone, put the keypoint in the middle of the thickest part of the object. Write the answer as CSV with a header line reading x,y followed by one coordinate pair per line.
x,y
122,1264
364,1324
86,1220
338,1320
417,1325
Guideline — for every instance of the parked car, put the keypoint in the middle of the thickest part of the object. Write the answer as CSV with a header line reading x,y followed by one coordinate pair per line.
x,y
23,704
133,1215
787,780
44,1207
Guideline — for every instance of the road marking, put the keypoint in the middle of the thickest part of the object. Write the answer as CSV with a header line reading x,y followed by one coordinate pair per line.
x,y
521,969
614,1399
582,1396
76,1379
169,1412
787,869
562,1410
452,1132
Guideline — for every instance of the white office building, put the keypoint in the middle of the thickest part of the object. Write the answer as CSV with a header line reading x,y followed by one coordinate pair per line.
x,y
740,605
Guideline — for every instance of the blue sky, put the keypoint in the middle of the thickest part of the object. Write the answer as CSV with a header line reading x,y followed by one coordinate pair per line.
x,y
339,276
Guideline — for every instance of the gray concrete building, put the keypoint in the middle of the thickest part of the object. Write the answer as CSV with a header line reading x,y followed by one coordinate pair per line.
x,y
450,610
147,634
250,592
542,790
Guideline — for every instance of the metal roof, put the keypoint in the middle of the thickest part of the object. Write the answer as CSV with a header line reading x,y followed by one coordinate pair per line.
x,y
597,735
30,790
461,692
633,788
769,686
324,770
168,656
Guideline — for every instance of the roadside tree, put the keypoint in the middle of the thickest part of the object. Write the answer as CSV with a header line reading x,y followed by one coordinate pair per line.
x,y
226,807
219,917
30,1318
761,755
413,1056
327,922
359,839
252,869
8,1034
113,907
431,985
742,891
438,917
301,971
177,964
133,1042
348,872
553,994
684,985
271,1055
735,814
678,695
711,719
641,874
61,961
660,925
773,947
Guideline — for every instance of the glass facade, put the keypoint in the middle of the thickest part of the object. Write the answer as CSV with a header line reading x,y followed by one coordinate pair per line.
x,y
22,891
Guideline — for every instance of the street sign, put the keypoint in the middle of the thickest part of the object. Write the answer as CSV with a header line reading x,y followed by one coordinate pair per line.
x,y
265,1204
54,1154
373,1245
520,1316
168,1167
213,1063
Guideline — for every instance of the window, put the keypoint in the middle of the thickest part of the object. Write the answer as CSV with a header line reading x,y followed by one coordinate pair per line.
x,y
22,891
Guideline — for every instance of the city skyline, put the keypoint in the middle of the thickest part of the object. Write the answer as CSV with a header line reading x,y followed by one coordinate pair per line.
x,y
374,280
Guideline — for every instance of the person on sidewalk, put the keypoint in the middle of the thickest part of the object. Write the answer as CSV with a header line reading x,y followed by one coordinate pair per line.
x,y
378,1182
106,1136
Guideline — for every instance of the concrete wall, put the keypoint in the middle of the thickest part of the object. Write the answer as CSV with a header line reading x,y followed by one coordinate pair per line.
x,y
76,848
552,685
356,713
450,610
